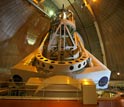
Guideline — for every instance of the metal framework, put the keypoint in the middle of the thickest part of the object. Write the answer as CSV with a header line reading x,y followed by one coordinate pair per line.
x,y
62,52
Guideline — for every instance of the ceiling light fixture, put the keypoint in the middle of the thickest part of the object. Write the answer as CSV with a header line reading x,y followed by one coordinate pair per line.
x,y
51,13
118,73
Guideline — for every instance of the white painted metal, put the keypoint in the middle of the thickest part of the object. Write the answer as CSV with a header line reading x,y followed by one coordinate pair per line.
x,y
59,56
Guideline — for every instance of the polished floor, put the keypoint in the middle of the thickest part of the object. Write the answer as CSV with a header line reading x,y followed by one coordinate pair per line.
x,y
58,103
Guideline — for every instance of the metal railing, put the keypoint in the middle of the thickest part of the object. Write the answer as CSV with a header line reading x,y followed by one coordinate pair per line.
x,y
47,91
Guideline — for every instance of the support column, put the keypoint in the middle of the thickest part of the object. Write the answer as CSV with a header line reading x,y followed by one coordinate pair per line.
x,y
89,91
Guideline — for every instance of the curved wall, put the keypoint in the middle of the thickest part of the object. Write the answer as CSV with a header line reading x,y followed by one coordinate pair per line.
x,y
110,15
13,13
19,23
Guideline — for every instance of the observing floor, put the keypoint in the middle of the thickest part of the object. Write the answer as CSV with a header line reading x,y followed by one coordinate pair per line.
x,y
57,103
